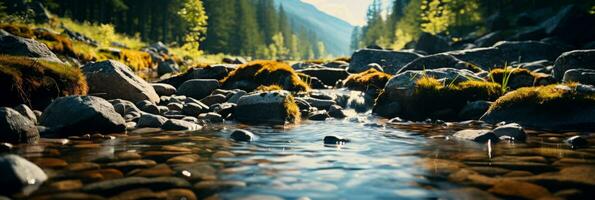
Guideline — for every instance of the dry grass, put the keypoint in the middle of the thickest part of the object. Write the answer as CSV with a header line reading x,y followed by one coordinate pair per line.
x,y
293,111
371,78
136,60
35,83
258,73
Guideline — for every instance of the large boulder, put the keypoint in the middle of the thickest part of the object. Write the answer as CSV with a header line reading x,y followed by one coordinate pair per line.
x,y
439,93
166,67
434,62
328,76
79,115
19,175
578,59
392,61
553,107
113,80
485,58
275,108
583,76
18,46
198,88
572,24
528,51
16,128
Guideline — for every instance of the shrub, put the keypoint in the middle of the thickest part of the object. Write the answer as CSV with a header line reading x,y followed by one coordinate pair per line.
x,y
254,74
36,83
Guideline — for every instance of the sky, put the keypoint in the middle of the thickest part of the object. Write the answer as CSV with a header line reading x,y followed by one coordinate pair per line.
x,y
352,11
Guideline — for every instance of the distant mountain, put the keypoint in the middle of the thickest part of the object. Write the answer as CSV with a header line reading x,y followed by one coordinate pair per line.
x,y
334,32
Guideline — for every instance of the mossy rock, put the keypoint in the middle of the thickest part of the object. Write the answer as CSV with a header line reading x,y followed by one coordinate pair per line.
x,y
514,78
36,83
250,76
371,80
269,107
434,99
554,107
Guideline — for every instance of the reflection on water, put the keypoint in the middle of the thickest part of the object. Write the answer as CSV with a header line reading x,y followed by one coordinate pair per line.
x,y
405,161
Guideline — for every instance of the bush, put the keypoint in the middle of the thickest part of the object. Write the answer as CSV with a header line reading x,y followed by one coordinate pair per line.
x,y
254,74
29,81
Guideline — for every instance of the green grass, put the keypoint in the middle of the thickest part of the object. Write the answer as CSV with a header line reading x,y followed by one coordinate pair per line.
x,y
504,76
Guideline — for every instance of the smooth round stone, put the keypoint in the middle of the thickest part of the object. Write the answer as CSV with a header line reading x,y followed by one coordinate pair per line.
x,y
5,147
334,140
519,189
66,185
223,154
157,171
512,130
19,175
242,135
320,115
82,166
191,158
577,142
51,163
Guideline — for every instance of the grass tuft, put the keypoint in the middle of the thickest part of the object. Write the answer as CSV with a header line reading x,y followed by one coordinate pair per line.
x,y
266,88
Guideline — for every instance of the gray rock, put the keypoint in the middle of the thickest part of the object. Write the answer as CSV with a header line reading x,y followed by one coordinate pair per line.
x,y
320,115
485,58
236,97
115,186
319,103
124,107
335,140
217,72
512,130
19,175
391,60
336,111
328,76
490,39
175,106
474,110
198,88
242,135
166,67
528,51
163,89
16,128
337,64
480,136
578,59
431,44
583,76
434,62
211,117
265,108
18,46
163,109
150,121
27,112
194,109
213,99
79,115
180,125
114,80
147,106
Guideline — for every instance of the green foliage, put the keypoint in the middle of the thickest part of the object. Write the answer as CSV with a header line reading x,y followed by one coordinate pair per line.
x,y
195,20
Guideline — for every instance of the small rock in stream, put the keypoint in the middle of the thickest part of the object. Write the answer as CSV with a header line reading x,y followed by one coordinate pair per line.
x,y
242,135
577,142
480,136
19,175
334,140
512,130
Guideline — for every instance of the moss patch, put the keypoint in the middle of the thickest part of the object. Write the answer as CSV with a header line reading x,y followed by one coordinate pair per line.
x,y
293,111
516,77
436,100
543,95
265,88
370,79
254,74
36,83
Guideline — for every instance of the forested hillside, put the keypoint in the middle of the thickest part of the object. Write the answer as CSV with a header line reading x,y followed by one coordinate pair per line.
x,y
454,19
253,28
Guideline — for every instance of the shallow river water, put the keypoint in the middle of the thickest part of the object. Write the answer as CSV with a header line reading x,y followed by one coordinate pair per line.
x,y
381,161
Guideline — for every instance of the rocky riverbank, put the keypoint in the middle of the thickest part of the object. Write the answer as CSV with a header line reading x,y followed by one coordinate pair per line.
x,y
535,95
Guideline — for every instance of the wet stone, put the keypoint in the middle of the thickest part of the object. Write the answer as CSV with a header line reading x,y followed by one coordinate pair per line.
x,y
320,115
577,142
66,185
131,164
69,196
242,135
196,171
51,162
519,189
191,158
513,130
223,154
82,166
180,125
157,171
335,140
480,136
